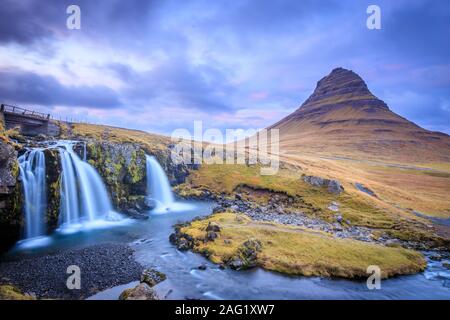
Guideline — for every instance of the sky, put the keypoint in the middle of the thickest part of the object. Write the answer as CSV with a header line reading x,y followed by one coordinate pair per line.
x,y
161,65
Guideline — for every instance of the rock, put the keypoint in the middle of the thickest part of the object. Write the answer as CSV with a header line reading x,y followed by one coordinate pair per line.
x,y
202,267
150,203
364,189
141,292
333,186
41,137
217,208
446,265
183,245
213,226
333,208
339,219
247,255
11,215
235,208
436,257
133,213
211,236
152,277
182,241
236,264
227,241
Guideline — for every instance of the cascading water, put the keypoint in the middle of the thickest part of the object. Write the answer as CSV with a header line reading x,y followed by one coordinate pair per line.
x,y
32,173
159,188
158,184
83,195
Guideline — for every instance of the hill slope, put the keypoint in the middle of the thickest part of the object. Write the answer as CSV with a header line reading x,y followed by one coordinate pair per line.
x,y
343,118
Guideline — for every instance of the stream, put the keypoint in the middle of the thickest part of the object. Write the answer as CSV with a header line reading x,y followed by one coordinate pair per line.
x,y
150,241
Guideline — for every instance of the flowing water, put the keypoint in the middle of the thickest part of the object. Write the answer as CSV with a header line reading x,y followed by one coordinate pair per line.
x,y
32,173
150,240
84,199
159,189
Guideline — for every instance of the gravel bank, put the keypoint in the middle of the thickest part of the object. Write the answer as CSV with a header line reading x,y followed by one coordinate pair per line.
x,y
102,266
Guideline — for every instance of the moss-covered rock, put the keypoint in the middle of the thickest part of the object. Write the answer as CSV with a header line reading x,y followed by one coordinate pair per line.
x,y
53,183
11,218
122,167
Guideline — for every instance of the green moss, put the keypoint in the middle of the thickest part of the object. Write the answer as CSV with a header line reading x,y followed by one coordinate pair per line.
x,y
9,292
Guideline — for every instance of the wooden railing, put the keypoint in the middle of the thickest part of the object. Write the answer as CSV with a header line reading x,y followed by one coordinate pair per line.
x,y
25,112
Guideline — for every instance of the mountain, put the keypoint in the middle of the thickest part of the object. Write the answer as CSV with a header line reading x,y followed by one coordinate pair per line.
x,y
343,118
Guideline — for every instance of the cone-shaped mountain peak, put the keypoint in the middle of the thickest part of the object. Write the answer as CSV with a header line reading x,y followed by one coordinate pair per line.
x,y
342,85
342,117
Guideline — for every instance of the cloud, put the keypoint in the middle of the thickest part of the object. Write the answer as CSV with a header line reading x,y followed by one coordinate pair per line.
x,y
224,62
28,87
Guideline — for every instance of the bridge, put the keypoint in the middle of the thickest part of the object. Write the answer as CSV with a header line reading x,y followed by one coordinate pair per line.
x,y
29,122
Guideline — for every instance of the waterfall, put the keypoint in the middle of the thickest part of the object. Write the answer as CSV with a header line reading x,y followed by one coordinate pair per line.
x,y
159,189
32,173
158,184
83,195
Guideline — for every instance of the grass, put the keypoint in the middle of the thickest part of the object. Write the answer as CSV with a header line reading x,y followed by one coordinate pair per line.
x,y
228,178
356,208
149,142
8,292
299,251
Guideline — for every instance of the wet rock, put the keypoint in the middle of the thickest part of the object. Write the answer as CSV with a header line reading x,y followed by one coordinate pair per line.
x,y
446,265
133,213
213,226
149,203
436,257
236,263
141,292
152,277
202,267
181,240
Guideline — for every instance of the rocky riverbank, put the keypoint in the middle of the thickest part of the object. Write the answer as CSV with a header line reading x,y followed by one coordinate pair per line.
x,y
102,266
279,210
234,240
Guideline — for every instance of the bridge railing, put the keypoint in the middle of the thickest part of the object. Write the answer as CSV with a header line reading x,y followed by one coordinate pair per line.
x,y
25,112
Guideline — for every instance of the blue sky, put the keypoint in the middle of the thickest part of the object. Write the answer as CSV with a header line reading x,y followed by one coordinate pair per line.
x,y
160,65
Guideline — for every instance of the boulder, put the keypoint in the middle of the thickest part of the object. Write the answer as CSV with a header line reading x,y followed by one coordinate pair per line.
x,y
141,292
213,226
246,256
333,186
211,236
152,277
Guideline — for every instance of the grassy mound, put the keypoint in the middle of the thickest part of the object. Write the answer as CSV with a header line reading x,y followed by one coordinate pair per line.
x,y
299,251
